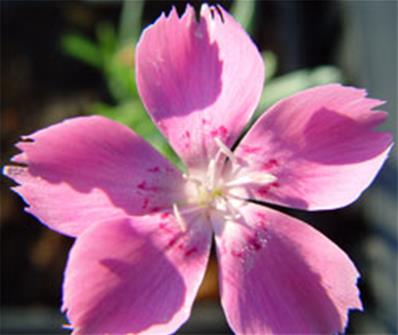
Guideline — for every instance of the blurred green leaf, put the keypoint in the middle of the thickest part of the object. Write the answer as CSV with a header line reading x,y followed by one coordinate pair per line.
x,y
107,41
130,21
82,48
271,64
120,77
118,64
288,84
243,11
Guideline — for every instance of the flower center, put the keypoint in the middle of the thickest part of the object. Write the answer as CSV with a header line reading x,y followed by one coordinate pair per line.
x,y
223,188
207,197
205,190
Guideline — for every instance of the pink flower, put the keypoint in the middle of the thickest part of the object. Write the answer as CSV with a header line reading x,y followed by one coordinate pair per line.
x,y
144,230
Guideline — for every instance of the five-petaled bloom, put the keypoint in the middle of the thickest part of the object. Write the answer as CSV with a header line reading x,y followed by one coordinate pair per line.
x,y
144,230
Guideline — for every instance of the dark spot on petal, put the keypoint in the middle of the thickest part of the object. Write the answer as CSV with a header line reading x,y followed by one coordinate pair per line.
x,y
141,185
155,209
154,169
144,187
250,150
219,11
190,251
236,253
270,164
254,244
212,13
264,190
145,204
173,241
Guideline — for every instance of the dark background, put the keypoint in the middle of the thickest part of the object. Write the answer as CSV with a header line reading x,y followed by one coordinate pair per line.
x,y
40,85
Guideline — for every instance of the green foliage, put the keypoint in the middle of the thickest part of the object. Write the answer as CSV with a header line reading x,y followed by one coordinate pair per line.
x,y
82,49
119,72
243,11
271,64
106,41
130,22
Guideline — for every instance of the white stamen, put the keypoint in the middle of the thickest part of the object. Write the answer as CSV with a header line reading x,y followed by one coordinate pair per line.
x,y
252,178
179,218
211,174
197,181
235,213
224,149
236,197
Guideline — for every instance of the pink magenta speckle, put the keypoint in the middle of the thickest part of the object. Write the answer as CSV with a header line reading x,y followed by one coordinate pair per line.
x,y
145,203
254,243
270,164
237,253
154,169
165,215
164,226
190,251
220,132
261,215
250,150
205,122
143,186
173,241
264,190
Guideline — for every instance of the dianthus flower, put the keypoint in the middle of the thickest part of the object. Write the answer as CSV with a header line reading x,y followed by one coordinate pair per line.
x,y
144,230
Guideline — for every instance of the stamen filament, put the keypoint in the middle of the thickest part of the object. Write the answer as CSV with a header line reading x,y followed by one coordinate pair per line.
x,y
235,214
236,197
179,218
211,174
177,213
193,179
252,178
224,149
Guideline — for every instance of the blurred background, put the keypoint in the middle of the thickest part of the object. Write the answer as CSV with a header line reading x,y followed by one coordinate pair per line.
x,y
66,58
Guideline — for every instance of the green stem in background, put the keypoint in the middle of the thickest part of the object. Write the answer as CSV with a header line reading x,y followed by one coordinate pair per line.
x,y
243,11
130,21
271,65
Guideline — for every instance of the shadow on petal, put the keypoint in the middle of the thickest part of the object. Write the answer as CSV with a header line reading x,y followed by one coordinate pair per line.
x,y
180,69
119,281
282,276
333,138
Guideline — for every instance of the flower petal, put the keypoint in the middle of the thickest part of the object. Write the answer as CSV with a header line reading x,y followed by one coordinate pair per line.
x,y
89,169
278,275
320,144
199,80
136,275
